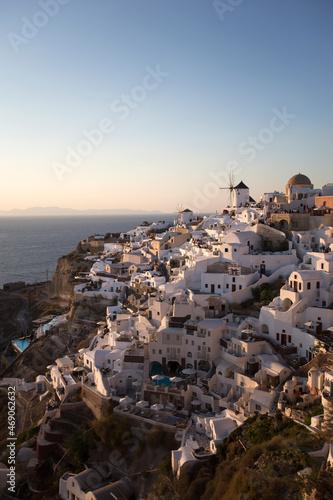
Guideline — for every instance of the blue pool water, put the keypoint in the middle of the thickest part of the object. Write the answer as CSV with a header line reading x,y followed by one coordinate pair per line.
x,y
21,344
156,369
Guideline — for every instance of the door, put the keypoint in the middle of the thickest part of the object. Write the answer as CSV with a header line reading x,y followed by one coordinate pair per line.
x,y
233,288
212,288
283,339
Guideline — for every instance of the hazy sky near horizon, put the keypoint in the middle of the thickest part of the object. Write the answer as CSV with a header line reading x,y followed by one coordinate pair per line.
x,y
147,104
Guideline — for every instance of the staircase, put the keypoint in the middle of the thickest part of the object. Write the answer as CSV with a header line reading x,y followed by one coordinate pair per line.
x,y
275,402
201,439
216,406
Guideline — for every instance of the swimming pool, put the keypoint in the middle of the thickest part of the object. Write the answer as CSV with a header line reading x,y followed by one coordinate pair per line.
x,y
21,344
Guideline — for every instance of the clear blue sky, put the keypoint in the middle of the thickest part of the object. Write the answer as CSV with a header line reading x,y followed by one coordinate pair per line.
x,y
223,74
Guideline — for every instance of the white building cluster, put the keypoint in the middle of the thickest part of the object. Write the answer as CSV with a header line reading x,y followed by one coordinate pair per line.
x,y
175,346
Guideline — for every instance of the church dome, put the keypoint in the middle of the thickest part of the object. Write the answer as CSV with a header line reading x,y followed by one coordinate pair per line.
x,y
300,180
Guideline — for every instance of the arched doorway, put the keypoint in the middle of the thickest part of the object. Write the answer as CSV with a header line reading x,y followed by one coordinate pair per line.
x,y
156,368
286,304
173,368
265,329
283,224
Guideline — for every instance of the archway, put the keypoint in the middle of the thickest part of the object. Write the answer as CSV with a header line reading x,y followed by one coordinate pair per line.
x,y
286,304
173,368
264,329
204,366
283,224
156,368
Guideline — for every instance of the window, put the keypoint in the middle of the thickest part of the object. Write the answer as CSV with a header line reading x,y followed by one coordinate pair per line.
x,y
226,249
208,349
153,352
300,286
192,342
189,354
318,284
199,348
240,287
227,285
295,276
218,286
208,333
301,345
186,341
308,286
158,313
160,351
289,339
235,249
233,280
177,337
258,407
322,266
277,336
206,285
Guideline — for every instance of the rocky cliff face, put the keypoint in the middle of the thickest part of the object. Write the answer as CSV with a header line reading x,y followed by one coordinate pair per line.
x,y
63,281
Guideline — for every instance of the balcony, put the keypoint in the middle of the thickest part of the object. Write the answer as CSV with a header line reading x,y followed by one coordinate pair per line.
x,y
173,357
203,355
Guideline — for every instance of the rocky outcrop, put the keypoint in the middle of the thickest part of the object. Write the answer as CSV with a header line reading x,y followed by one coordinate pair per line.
x,y
63,281
324,486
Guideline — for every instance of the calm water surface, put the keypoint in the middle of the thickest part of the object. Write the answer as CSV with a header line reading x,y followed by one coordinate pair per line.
x,y
29,246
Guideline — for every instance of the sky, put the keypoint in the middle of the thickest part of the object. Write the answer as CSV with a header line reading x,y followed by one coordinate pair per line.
x,y
150,104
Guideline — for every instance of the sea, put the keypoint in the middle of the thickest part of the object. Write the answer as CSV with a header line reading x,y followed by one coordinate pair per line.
x,y
31,246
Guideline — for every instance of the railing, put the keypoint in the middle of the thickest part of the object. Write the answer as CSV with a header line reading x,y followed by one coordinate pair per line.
x,y
204,356
173,357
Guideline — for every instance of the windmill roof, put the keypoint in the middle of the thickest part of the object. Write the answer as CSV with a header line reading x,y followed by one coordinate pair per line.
x,y
252,200
186,210
241,185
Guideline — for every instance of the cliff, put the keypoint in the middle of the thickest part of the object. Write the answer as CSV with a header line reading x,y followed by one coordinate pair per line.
x,y
63,281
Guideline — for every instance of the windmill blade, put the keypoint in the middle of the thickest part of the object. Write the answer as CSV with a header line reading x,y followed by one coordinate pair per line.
x,y
179,209
231,186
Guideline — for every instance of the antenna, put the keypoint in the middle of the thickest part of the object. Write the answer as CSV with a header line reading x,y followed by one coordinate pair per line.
x,y
231,186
